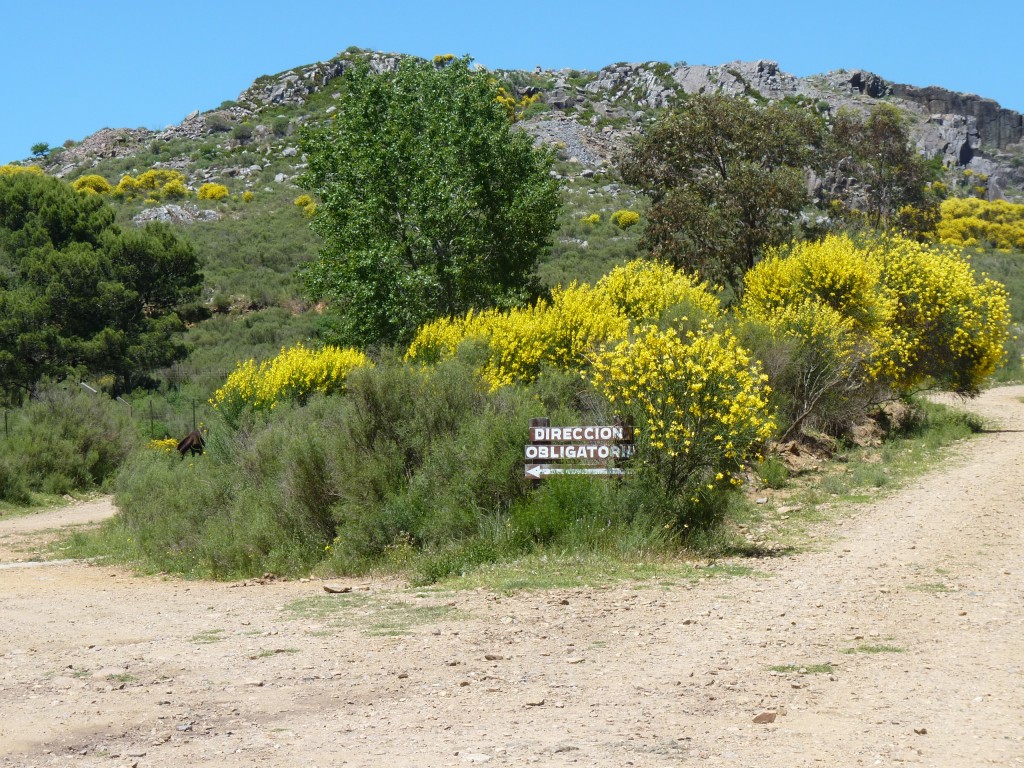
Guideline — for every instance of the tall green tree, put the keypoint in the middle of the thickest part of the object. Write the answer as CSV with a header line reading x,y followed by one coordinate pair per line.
x,y
79,294
878,152
430,203
726,177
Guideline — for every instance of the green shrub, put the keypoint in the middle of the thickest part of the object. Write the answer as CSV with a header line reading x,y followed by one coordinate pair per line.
x,y
218,123
242,132
773,472
13,481
402,457
64,443
280,126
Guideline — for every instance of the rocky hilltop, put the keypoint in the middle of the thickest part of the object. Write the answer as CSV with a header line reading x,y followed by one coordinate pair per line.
x,y
589,116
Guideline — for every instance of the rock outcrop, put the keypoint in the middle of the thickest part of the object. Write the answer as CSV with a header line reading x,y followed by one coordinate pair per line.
x,y
995,126
176,214
589,116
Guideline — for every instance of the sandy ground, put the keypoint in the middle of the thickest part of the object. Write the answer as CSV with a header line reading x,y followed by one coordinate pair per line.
x,y
99,667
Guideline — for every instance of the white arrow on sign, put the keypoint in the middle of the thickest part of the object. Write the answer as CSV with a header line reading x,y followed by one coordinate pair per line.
x,y
537,471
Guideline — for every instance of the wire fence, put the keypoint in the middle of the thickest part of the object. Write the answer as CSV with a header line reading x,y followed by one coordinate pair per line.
x,y
155,417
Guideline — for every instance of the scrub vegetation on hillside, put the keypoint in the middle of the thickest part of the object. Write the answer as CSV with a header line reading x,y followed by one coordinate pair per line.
x,y
365,357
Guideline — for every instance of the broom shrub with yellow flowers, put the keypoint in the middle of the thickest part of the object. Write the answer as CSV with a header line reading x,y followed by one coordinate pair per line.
x,y
950,324
848,323
294,375
970,222
700,407
565,331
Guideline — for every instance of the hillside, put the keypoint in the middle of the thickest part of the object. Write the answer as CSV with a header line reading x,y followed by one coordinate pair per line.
x,y
251,249
593,114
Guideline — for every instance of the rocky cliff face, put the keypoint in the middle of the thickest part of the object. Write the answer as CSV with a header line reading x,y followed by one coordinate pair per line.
x,y
967,131
590,116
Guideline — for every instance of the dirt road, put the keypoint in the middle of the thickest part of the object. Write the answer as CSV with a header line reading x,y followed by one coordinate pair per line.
x,y
900,641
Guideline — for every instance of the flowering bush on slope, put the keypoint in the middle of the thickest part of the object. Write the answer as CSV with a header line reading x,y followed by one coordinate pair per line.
x,y
294,375
565,332
969,222
699,403
911,313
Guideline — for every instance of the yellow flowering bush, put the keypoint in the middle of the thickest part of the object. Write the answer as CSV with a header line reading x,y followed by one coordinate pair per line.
x,y
10,169
295,374
155,183
699,403
562,333
175,189
579,320
439,339
644,290
624,219
305,202
166,445
93,184
567,330
918,312
211,191
158,178
515,109
834,273
950,326
126,187
970,222
248,196
592,219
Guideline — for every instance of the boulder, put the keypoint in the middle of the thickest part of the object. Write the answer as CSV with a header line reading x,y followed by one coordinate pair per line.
x,y
175,214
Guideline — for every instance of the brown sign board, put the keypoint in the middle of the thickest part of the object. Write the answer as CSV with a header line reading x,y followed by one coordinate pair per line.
x,y
577,450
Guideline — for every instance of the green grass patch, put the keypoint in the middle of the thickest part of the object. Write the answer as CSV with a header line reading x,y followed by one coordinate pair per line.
x,y
208,636
874,649
804,669
325,606
273,652
400,618
543,571
371,616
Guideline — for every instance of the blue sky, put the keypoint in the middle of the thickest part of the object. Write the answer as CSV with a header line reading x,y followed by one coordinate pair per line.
x,y
71,67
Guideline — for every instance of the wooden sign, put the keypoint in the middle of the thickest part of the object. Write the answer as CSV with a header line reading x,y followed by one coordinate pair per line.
x,y
582,450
